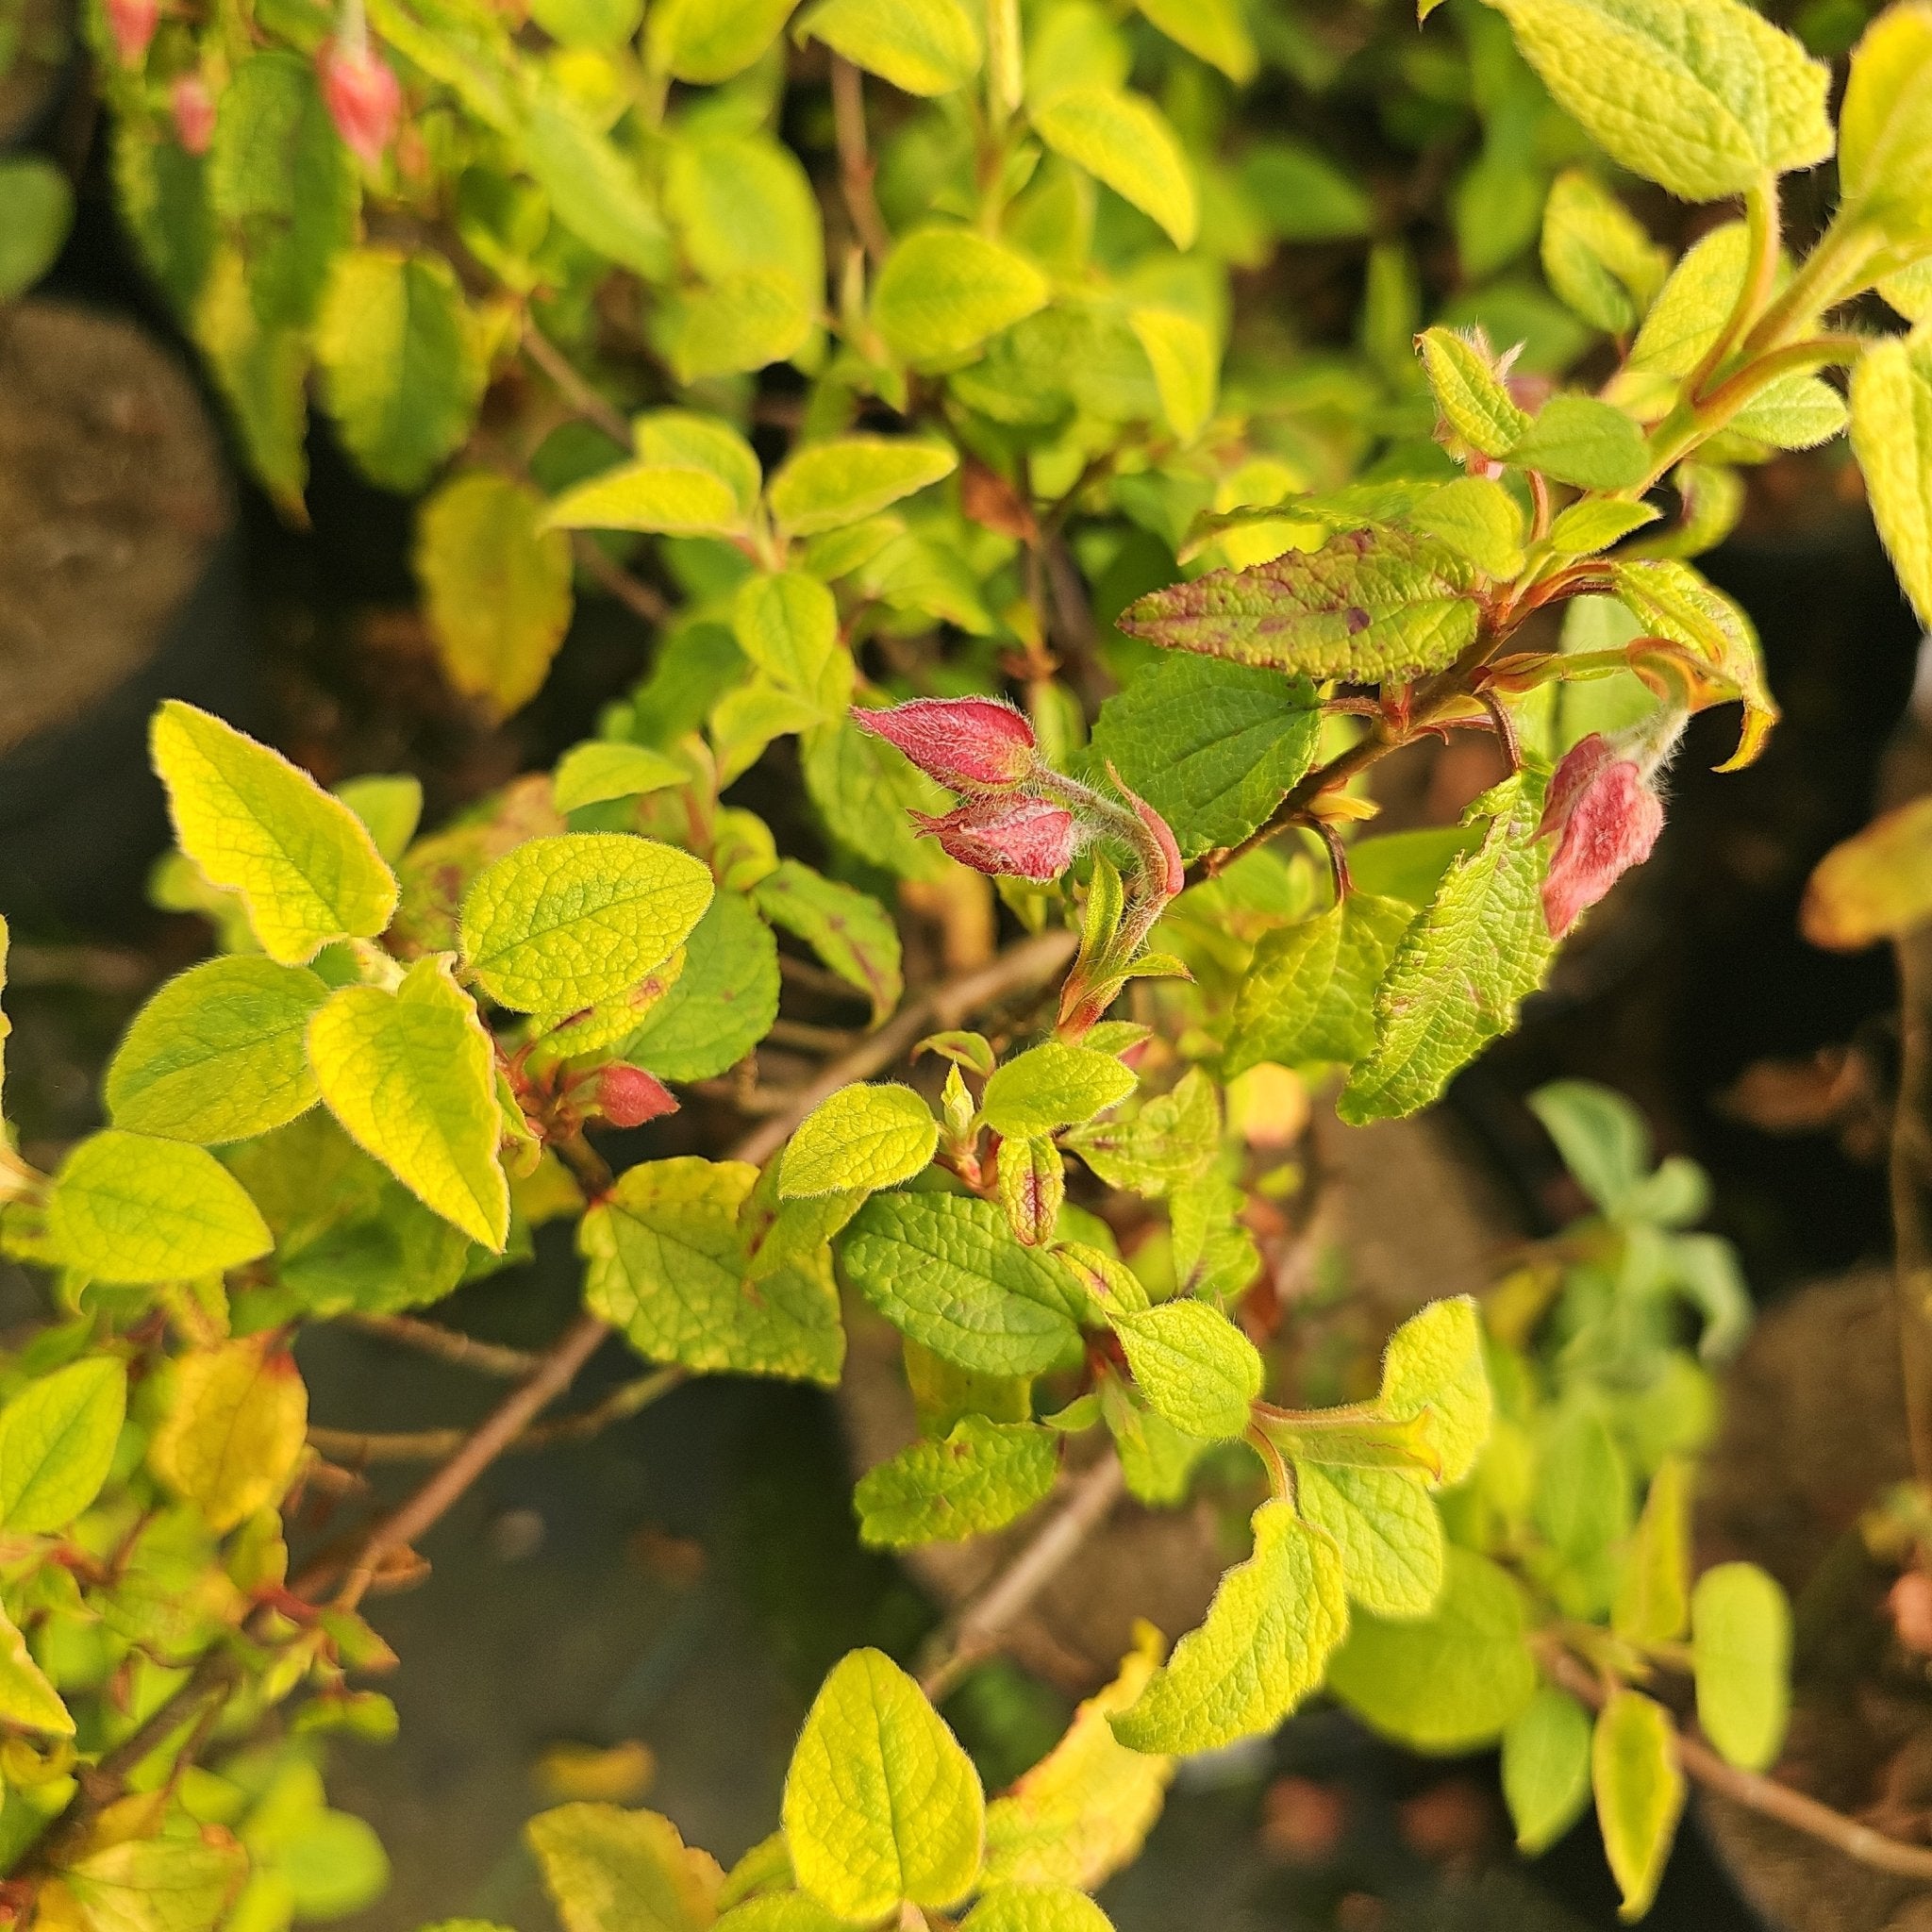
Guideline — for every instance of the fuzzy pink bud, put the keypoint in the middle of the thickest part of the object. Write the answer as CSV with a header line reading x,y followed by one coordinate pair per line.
x,y
1021,838
194,110
1168,875
627,1096
364,98
1606,816
132,25
968,745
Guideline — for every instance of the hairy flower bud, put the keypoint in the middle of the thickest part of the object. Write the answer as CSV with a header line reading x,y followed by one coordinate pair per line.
x,y
132,25
968,745
1606,816
364,98
194,111
627,1096
1019,838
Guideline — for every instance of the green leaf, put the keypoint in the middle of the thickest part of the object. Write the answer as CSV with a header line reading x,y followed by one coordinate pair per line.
x,y
608,1869
1546,1767
411,1075
1036,1908
1185,363
1688,313
1434,1369
865,790
128,1208
848,929
743,204
217,1053
1578,440
26,1698
1303,195
1387,1531
260,369
825,484
39,212
723,1003
304,863
595,190
684,439
390,804
1449,1682
1463,967
1154,1146
981,1478
1368,607
949,1272
496,587
1211,31
1469,392
741,322
1053,1086
678,498
860,1137
1031,1178
402,365
788,625
1597,256
1271,1628
1192,1364
1311,993
944,291
1740,1639
234,1430
560,924
1595,523
921,47
1891,438
1651,1605
159,1884
1885,124
667,1265
1639,1793
1726,98
1797,411
1213,747
1122,140
57,1444
597,769
1601,1136
705,41
881,1805
1479,520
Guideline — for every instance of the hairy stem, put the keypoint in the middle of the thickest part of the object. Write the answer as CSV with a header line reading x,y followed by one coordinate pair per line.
x,y
1762,232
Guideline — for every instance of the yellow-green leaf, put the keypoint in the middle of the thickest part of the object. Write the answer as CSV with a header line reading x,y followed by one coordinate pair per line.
x,y
1193,1365
860,1136
1434,1370
1036,1908
597,769
26,1698
1469,393
683,438
1640,1792
1387,1529
1741,1646
788,625
944,291
1885,125
978,1479
304,863
922,47
1186,366
1053,1086
825,484
1876,885
159,1884
677,498
1891,438
1211,31
57,1444
740,322
1123,140
233,1430
608,1869
1546,1767
1653,1595
708,41
1597,256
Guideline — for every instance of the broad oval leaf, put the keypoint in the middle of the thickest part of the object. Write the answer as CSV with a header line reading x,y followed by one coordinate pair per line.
x,y
944,291
787,624
825,484
1124,139
1876,885
704,42
1053,1086
234,1430
860,1137
57,1444
720,1006
1036,1908
1741,1647
1546,1767
1640,1792
1192,1364
981,1478
1891,438
677,499
1387,1530
1434,1370
608,1869
1581,441
1885,124
591,772
922,47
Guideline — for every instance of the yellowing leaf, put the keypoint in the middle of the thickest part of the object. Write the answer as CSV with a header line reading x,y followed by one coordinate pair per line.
x,y
1885,125
560,924
57,1444
218,1054
1212,30
496,588
1123,140
1470,392
1192,1364
1434,1370
881,1805
740,322
608,1869
1546,1767
157,1884
1640,1792
684,439
304,863
944,291
981,1478
788,625
1185,364
825,484
1387,1531
1653,1595
233,1430
411,1075
589,773
1876,885
1036,1908
1891,438
678,499
130,1209
1741,1634
923,46
26,1698
860,1136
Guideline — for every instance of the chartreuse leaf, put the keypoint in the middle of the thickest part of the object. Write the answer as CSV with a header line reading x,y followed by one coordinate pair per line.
x,y
921,47
159,1884
788,625
1651,1605
677,499
496,587
1705,97
1740,1649
1311,993
1597,256
560,924
860,1137
944,291
26,1698
1891,438
1689,311
608,1869
304,863
738,323
1877,884
1601,1136
1796,411
1581,441
260,368
1387,1531
1036,1908
742,203
848,929
1192,1364
1433,1370
1085,1808
595,190
825,484
598,770
1546,1767
1639,1793
126,1207
667,1265
1271,1628
949,1272
411,1075
865,790
1368,606
881,1805
1450,1681
40,205
390,804
720,1006
1154,1146
1186,365
1053,1086
983,1475
1885,124
683,438
1122,140
708,41
1469,393
57,1444
1479,520
1213,747
1211,31
218,1054
233,1430
1595,523
1463,967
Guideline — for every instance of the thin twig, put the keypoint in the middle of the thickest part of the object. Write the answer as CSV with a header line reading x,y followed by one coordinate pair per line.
x,y
854,160
817,978
1911,1191
635,594
810,1039
578,392
449,1344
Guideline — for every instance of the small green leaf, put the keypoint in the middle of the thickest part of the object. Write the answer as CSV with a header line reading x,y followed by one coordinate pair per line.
x,y
39,212
921,47
1652,1604
1601,1136
167,1884
1740,1648
599,769
390,804
1271,1628
1152,1147
1469,393
57,1444
1387,1529
1581,441
741,322
684,439
1479,520
1688,313
1595,522
825,484
1053,1086
1639,1793
1885,124
881,1805
1211,31
1311,993
848,929
1122,140
595,190
411,1075
1036,1907
944,291
26,1698
1891,438
742,204
125,1208
304,863
1797,411
678,499
262,369
1434,1369
860,1136
608,1869
1597,256
788,625
1302,194
865,790
1192,1364
1546,1767
1186,365
233,1430
720,1006
704,42
981,1478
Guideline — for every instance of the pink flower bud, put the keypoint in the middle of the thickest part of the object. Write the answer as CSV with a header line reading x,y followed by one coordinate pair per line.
x,y
132,25
1021,838
193,109
968,745
364,98
1169,874
1606,816
627,1096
